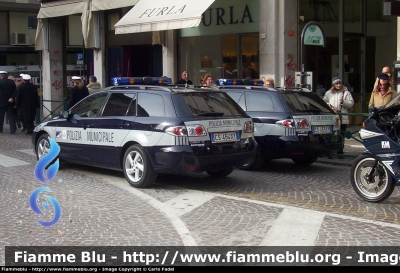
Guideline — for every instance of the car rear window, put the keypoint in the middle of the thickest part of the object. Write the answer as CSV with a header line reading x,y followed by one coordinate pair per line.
x,y
306,101
206,103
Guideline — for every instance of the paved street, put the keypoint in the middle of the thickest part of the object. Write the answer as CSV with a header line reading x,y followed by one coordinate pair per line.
x,y
281,205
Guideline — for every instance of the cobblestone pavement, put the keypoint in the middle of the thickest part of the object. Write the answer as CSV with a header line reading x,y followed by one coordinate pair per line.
x,y
281,205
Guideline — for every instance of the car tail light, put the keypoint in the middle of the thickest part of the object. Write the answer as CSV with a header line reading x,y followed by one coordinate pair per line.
x,y
301,123
288,123
177,131
196,130
248,127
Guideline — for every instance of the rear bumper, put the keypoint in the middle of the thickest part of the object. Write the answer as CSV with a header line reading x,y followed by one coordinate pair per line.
x,y
202,158
274,147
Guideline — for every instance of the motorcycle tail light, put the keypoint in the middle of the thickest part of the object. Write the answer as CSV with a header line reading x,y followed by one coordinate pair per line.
x,y
301,123
288,123
248,127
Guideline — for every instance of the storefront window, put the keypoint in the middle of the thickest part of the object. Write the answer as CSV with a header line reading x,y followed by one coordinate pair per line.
x,y
218,56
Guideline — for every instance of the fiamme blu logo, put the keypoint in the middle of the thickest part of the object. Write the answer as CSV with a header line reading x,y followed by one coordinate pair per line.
x,y
44,176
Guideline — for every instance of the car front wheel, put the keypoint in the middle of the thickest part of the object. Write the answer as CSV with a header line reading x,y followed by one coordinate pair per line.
x,y
137,167
42,146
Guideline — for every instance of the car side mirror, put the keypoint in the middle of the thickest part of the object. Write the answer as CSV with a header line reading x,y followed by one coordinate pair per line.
x,y
64,114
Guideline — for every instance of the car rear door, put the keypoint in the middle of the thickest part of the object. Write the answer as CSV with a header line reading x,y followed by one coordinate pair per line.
x,y
111,127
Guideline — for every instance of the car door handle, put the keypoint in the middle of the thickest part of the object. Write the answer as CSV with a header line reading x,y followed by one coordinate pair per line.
x,y
124,124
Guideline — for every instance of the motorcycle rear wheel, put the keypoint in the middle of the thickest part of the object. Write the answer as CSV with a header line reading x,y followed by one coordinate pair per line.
x,y
381,186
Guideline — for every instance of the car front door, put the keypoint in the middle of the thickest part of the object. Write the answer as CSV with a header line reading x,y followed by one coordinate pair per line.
x,y
73,134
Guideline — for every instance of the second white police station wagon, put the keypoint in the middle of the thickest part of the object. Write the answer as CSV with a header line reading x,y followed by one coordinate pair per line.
x,y
146,126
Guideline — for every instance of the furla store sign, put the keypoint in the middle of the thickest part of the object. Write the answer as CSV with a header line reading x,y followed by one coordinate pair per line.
x,y
222,17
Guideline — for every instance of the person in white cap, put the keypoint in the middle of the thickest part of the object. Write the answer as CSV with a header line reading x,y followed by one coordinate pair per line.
x,y
8,92
78,92
28,102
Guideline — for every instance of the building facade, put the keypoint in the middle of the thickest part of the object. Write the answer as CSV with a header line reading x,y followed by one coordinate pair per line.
x,y
229,39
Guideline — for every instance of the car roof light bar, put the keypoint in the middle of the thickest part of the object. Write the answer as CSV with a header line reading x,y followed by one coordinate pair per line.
x,y
140,80
239,82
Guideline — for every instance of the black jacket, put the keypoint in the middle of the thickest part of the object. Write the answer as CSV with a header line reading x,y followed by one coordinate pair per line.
x,y
76,94
27,101
7,90
184,82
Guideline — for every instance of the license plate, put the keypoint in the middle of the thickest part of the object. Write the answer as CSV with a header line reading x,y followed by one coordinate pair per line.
x,y
224,137
322,129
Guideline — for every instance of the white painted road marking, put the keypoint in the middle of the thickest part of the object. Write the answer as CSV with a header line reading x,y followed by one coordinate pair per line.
x,y
294,227
7,161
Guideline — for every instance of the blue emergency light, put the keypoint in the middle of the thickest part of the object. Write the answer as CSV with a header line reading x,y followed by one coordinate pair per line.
x,y
141,80
239,82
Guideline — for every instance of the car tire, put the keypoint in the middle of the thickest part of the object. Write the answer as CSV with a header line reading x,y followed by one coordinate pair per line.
x,y
42,146
220,173
257,162
305,160
137,167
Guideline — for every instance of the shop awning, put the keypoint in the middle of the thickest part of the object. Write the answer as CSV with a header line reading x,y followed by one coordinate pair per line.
x,y
162,15
62,8
112,4
70,7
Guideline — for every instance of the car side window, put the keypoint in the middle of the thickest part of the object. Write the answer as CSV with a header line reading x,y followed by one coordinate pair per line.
x,y
90,106
239,98
150,105
256,101
118,104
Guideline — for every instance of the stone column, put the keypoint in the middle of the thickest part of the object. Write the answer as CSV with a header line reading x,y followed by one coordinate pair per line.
x,y
99,58
169,54
53,70
279,49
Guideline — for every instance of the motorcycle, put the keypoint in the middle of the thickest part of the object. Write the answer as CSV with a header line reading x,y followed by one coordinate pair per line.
x,y
376,172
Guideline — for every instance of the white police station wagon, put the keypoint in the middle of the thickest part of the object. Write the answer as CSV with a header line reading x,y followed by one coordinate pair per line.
x,y
146,126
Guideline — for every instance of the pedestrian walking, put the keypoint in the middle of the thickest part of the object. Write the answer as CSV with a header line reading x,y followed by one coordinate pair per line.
x,y
8,93
382,93
93,85
28,102
340,100
78,92
17,116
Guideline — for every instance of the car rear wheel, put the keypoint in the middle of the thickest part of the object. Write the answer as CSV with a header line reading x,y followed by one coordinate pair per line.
x,y
137,167
305,160
220,173
256,163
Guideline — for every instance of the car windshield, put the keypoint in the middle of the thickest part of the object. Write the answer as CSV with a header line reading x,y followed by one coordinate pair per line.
x,y
306,102
206,104
393,102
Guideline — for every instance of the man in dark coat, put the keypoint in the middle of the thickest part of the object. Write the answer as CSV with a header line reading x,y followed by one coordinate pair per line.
x,y
8,92
78,92
184,79
28,102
